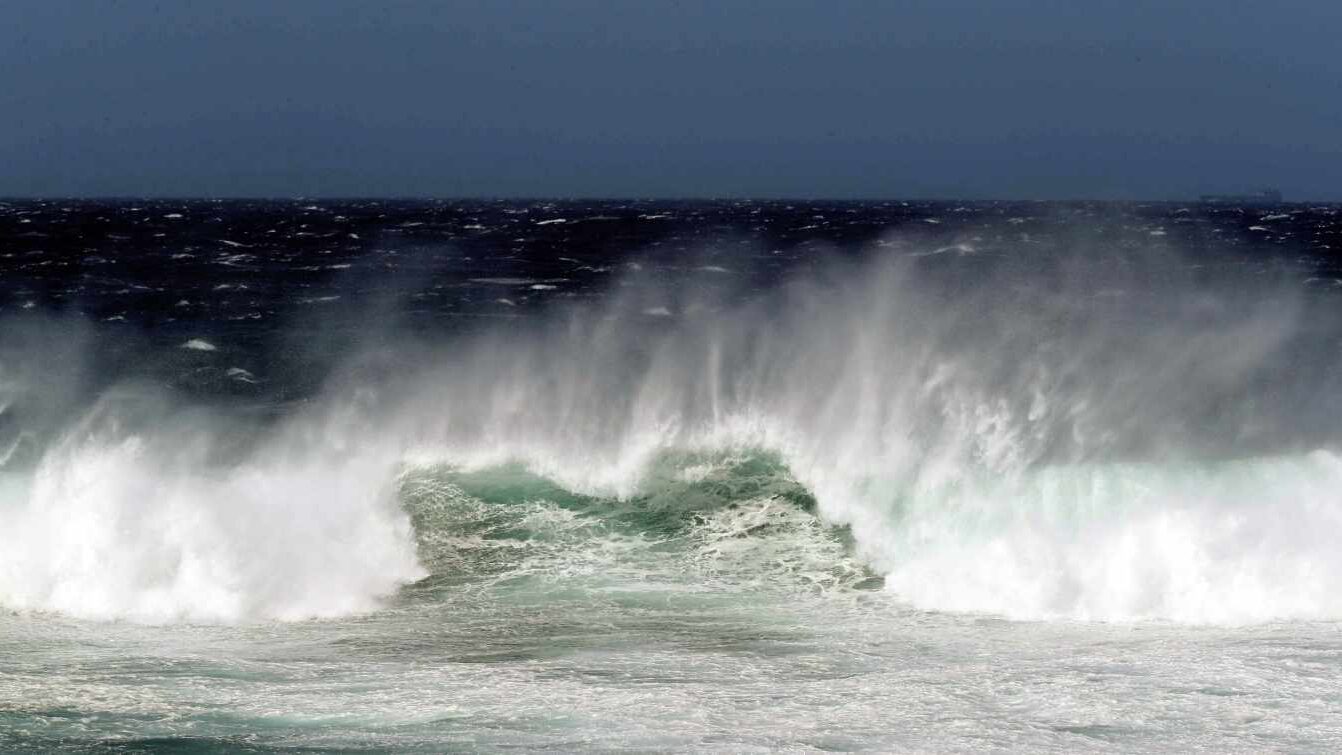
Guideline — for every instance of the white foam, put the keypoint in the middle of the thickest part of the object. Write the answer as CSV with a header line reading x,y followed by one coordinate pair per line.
x,y
132,528
1221,543
199,344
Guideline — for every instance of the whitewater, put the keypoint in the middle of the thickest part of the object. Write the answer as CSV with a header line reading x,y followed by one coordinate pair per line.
x,y
723,477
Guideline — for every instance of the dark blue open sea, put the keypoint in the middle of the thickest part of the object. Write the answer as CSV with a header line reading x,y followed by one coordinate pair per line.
x,y
622,476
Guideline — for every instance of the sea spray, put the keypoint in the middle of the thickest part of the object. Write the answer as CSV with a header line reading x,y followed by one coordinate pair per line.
x,y
1108,437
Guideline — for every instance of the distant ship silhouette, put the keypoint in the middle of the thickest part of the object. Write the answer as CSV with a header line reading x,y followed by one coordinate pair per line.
x,y
1266,196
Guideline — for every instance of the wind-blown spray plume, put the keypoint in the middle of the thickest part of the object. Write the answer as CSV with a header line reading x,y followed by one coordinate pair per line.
x,y
1108,438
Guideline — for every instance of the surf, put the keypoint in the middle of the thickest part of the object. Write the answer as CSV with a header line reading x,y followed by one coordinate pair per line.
x,y
1108,438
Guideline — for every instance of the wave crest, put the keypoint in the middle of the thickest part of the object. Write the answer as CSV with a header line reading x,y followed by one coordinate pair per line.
x,y
1105,437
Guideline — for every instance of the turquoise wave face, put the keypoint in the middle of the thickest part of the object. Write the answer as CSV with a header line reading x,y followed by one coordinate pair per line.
x,y
698,518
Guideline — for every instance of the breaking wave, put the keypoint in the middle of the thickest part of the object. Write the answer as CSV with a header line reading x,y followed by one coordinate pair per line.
x,y
1099,439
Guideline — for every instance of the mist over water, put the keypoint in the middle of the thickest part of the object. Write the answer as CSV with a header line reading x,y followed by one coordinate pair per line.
x,y
1088,435
977,426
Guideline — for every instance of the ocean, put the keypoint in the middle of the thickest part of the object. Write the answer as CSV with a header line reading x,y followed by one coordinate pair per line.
x,y
650,476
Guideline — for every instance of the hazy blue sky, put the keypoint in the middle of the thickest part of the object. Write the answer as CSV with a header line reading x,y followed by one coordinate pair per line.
x,y
840,98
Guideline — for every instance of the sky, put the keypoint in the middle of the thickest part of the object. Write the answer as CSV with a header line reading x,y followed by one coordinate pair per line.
x,y
1041,99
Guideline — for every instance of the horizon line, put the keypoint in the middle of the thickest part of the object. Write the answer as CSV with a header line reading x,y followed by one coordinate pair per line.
x,y
612,198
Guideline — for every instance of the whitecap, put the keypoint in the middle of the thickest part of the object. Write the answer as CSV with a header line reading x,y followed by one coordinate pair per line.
x,y
504,281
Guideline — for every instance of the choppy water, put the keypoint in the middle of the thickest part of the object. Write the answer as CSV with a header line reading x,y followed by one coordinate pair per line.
x,y
684,476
